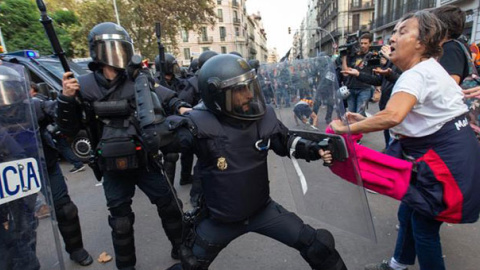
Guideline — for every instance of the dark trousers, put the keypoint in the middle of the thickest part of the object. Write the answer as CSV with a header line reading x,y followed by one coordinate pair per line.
x,y
273,221
418,236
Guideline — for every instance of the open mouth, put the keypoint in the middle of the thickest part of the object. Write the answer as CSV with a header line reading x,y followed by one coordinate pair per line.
x,y
392,49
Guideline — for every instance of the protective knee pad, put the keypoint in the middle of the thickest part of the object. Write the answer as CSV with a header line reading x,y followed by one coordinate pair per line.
x,y
317,247
122,225
123,240
171,217
69,226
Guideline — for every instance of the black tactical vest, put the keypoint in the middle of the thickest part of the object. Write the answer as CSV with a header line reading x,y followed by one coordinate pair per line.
x,y
117,144
233,171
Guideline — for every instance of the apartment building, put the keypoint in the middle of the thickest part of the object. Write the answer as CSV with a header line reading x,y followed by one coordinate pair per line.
x,y
388,12
329,22
233,31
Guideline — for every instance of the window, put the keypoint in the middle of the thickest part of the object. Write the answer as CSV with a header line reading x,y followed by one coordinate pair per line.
x,y
219,2
186,53
220,15
204,34
355,22
204,49
224,49
223,33
185,36
237,32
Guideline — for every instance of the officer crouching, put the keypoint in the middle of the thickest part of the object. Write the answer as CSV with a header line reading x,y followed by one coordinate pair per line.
x,y
109,105
231,137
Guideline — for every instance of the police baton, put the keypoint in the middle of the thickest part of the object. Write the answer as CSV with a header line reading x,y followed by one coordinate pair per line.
x,y
52,36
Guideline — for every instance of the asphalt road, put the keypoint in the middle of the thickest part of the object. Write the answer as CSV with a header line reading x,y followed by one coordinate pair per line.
x,y
349,212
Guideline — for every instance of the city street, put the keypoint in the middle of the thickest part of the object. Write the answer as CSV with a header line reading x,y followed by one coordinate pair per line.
x,y
461,243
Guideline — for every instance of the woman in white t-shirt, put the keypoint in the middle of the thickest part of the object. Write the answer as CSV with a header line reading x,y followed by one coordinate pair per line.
x,y
426,115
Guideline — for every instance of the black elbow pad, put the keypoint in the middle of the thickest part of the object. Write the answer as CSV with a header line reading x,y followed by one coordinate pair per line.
x,y
69,115
304,149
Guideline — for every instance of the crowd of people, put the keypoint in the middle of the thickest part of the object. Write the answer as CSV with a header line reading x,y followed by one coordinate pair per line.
x,y
222,112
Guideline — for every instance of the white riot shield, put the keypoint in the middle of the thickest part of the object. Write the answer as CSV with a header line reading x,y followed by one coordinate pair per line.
x,y
319,195
26,242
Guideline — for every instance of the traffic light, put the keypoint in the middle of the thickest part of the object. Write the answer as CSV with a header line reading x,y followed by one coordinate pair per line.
x,y
289,30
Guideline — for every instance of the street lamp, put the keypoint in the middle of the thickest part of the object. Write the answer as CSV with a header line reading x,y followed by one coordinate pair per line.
x,y
335,46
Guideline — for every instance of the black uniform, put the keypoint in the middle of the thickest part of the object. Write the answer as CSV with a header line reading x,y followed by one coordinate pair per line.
x,y
119,185
232,148
66,211
110,110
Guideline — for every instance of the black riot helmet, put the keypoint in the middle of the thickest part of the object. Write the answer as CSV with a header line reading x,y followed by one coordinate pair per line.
x,y
236,53
193,66
229,87
254,63
171,65
204,56
110,44
12,95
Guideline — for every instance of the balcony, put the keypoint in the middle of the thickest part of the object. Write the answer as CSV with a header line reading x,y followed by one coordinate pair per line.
x,y
393,15
252,37
205,40
362,6
236,21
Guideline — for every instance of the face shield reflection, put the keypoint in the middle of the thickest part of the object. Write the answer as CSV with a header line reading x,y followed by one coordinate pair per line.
x,y
115,53
244,100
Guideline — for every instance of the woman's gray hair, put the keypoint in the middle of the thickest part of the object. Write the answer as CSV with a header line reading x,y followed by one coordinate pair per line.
x,y
431,32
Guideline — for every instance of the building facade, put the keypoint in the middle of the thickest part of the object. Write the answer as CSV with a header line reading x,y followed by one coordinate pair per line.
x,y
233,31
388,12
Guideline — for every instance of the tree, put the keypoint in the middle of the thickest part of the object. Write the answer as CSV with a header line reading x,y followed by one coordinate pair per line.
x,y
138,17
21,28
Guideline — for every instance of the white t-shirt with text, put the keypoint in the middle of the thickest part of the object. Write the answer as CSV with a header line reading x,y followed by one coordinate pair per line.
x,y
439,99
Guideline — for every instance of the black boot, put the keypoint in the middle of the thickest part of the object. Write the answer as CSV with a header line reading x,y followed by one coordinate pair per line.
x,y
81,257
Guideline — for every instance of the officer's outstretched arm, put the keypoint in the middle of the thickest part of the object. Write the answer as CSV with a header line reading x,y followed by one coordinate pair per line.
x,y
170,101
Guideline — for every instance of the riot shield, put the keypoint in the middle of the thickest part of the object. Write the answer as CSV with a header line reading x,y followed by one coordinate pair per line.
x,y
26,242
319,195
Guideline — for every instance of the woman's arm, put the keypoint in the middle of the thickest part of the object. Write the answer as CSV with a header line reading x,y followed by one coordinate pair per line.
x,y
399,105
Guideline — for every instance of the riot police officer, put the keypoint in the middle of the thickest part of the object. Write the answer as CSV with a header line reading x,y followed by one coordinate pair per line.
x,y
65,210
171,77
231,137
109,105
18,224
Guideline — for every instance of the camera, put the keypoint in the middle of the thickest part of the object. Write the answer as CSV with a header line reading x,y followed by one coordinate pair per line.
x,y
351,47
373,57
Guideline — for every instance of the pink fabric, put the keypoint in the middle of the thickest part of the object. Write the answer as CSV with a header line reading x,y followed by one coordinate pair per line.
x,y
379,172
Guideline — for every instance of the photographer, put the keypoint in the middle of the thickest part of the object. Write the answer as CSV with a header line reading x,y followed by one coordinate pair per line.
x,y
386,76
360,92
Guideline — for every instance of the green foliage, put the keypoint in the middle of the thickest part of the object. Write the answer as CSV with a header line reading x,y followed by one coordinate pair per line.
x,y
74,19
21,28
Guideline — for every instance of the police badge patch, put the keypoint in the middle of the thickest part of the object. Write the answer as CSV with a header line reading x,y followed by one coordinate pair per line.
x,y
222,163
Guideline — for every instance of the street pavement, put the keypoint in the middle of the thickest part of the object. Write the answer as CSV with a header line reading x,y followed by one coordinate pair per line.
x,y
461,243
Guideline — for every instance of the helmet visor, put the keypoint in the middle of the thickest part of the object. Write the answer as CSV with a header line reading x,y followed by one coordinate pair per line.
x,y
115,53
244,100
